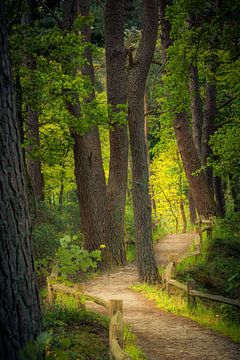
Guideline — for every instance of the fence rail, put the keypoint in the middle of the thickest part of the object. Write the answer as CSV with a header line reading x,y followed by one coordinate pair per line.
x,y
114,307
189,288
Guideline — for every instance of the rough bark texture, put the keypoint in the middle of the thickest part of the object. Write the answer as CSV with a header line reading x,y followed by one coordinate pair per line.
x,y
219,194
200,190
101,208
196,110
116,94
19,303
137,74
32,134
192,209
89,173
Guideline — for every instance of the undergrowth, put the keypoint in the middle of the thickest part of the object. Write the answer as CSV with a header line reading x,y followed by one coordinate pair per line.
x,y
216,271
204,314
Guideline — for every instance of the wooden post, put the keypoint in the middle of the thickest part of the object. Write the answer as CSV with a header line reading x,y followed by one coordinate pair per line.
x,y
116,323
51,292
191,299
81,305
114,306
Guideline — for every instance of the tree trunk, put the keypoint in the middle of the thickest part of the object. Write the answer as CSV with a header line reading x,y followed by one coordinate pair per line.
x,y
116,94
89,172
184,219
219,195
32,133
99,206
137,75
196,110
200,190
153,202
192,209
165,29
19,302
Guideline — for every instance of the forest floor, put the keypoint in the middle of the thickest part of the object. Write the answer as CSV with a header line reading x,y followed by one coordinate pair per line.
x,y
162,335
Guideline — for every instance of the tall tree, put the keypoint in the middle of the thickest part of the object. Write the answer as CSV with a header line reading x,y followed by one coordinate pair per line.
x,y
101,206
136,80
116,94
201,192
19,302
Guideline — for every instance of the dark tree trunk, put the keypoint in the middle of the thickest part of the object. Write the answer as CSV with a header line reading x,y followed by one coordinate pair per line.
x,y
32,133
137,75
200,190
192,209
196,110
165,29
153,202
116,94
19,302
89,172
219,195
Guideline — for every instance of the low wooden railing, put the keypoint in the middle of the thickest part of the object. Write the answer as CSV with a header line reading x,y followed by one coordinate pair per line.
x,y
189,288
114,307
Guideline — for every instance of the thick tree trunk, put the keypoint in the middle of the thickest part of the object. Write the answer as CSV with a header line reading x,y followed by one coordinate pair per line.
x,y
116,94
196,110
192,209
19,302
200,190
89,172
137,75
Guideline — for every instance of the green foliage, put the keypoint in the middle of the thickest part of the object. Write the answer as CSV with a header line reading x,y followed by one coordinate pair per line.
x,y
35,350
70,257
130,345
76,335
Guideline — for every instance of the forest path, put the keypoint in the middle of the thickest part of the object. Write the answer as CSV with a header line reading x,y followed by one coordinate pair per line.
x,y
162,335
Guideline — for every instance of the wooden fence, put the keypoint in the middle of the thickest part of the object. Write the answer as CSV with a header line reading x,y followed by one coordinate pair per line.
x,y
114,308
189,288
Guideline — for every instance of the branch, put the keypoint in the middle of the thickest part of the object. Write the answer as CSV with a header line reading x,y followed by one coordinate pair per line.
x,y
227,102
56,18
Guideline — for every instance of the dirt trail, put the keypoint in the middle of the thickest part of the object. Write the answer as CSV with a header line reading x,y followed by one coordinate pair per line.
x,y
162,335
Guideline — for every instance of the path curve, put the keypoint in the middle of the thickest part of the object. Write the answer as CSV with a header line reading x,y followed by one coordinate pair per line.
x,y
161,335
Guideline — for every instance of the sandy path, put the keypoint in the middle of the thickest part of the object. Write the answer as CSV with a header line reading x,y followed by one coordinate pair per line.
x,y
162,335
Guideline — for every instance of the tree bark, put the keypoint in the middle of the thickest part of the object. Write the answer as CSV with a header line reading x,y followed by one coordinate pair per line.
x,y
192,209
116,94
200,190
196,110
19,302
89,172
219,194
137,75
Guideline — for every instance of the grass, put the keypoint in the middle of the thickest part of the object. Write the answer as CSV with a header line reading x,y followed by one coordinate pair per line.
x,y
217,271
215,318
74,334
